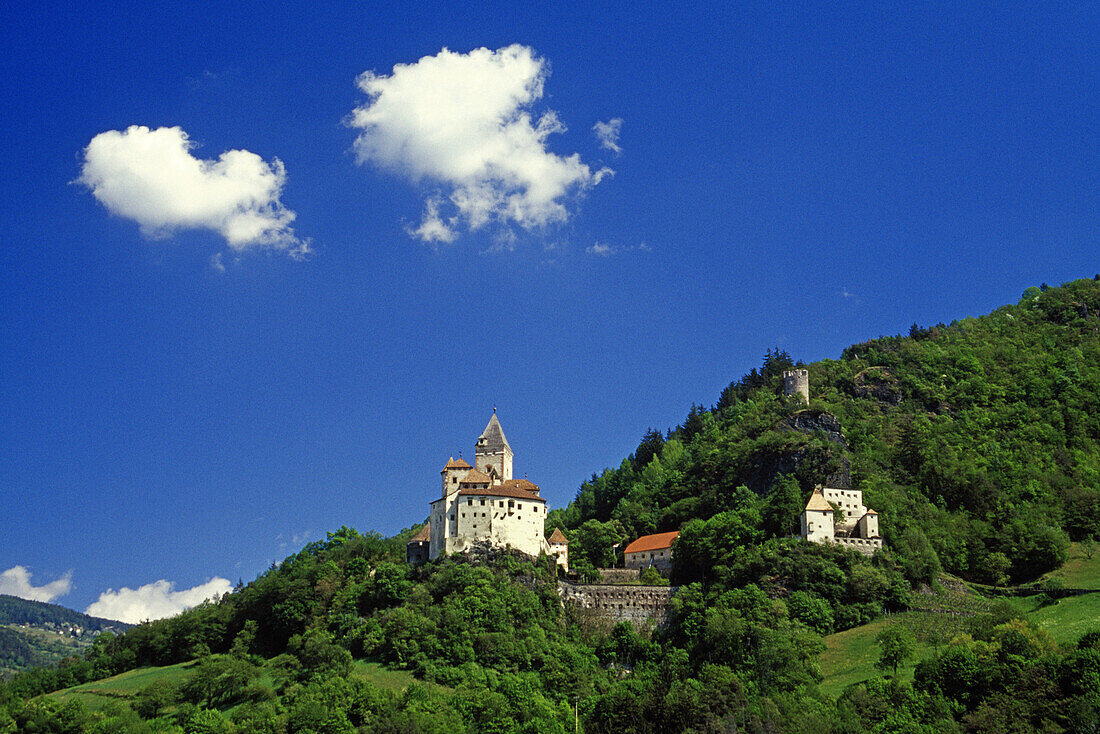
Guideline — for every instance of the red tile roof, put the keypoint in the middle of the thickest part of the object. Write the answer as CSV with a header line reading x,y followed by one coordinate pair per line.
x,y
475,477
500,490
660,541
521,484
424,536
459,463
558,537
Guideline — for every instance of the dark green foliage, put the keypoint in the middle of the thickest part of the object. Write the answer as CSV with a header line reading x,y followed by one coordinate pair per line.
x,y
978,442
896,646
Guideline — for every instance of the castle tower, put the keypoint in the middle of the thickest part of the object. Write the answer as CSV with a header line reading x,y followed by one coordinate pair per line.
x,y
453,474
817,519
492,454
797,382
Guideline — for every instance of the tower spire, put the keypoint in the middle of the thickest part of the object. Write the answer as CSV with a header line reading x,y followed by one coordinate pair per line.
x,y
492,450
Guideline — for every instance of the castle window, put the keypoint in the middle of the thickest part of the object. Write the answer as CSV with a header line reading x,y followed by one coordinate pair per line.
x,y
483,503
469,502
519,507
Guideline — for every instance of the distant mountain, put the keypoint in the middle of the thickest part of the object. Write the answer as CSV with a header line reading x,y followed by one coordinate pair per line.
x,y
14,610
35,633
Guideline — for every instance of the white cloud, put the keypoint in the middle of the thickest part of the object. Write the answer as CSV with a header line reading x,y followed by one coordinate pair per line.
x,y
154,601
465,122
607,133
16,581
432,227
151,177
600,249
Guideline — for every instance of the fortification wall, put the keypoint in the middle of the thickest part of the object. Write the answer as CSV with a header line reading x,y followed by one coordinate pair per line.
x,y
637,604
619,575
866,546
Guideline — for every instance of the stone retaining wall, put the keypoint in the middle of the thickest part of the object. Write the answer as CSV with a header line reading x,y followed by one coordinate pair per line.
x,y
619,575
637,604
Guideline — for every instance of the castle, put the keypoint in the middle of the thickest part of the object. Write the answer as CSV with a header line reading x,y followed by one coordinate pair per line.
x,y
857,530
483,503
857,526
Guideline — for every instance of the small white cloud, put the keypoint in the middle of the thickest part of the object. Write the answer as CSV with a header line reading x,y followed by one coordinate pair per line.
x,y
216,263
151,177
465,121
432,227
607,133
154,601
600,250
503,241
16,581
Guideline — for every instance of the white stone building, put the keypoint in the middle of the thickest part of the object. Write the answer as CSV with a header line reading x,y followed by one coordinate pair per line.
x,y
857,530
484,503
651,550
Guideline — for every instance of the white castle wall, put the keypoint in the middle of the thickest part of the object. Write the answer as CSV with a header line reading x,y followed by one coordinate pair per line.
x,y
850,501
817,526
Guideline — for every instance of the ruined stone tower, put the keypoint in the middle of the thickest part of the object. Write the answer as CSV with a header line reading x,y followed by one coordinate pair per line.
x,y
797,382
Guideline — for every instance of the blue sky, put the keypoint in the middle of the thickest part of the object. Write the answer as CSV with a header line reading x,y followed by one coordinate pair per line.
x,y
188,395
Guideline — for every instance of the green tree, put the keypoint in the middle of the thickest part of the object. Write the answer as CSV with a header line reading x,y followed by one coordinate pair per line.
x,y
783,505
595,542
896,646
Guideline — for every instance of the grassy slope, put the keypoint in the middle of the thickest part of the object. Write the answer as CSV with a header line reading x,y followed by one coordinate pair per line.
x,y
1069,618
850,656
1080,571
98,694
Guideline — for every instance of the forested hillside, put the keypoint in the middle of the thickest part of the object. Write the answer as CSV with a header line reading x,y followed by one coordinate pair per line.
x,y
14,610
977,441
36,633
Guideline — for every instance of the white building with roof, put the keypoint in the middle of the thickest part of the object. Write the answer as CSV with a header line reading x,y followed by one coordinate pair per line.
x,y
651,550
485,503
857,527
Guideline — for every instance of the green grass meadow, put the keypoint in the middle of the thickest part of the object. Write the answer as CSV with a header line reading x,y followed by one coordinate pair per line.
x,y
850,656
124,686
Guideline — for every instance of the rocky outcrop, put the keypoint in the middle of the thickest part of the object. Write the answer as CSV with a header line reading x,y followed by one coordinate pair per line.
x,y
827,425
877,383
